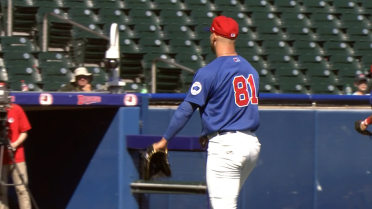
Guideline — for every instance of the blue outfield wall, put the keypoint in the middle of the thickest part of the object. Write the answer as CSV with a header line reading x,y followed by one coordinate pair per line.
x,y
310,159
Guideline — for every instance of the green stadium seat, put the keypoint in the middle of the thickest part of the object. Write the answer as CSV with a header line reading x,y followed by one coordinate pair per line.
x,y
314,6
99,77
109,4
230,6
286,6
250,48
346,69
258,6
310,57
114,15
56,69
131,66
29,74
185,46
170,4
295,19
18,43
175,17
339,47
290,71
346,83
367,4
279,57
366,60
150,31
129,46
83,15
88,50
55,75
203,15
71,3
125,32
143,15
19,58
24,16
190,60
268,84
168,80
150,45
363,47
291,84
323,85
242,18
181,32
200,4
59,31
148,59
135,4
318,70
345,6
341,58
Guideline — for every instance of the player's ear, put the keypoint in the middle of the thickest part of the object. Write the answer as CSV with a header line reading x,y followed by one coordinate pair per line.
x,y
213,37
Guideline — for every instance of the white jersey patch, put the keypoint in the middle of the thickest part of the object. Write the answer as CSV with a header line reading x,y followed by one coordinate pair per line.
x,y
196,88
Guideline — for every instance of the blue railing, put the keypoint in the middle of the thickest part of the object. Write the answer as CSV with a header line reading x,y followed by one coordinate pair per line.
x,y
135,99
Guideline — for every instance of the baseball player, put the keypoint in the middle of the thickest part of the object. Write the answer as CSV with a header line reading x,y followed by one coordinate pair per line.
x,y
226,93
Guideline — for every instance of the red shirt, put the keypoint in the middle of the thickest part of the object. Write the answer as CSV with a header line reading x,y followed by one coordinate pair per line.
x,y
18,123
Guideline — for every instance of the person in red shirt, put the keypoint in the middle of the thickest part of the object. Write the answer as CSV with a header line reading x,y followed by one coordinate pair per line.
x,y
18,126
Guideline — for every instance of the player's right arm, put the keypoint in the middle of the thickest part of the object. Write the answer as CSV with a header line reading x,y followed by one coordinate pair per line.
x,y
178,121
365,123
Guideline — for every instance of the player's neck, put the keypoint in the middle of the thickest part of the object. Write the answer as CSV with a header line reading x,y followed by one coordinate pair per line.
x,y
227,50
226,54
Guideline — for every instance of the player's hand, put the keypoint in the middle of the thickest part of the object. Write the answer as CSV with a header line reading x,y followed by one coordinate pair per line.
x,y
160,145
363,126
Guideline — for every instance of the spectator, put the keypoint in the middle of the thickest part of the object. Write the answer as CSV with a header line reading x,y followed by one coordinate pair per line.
x,y
14,163
361,85
80,82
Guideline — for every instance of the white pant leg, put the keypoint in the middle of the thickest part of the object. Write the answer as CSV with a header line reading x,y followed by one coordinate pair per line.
x,y
231,158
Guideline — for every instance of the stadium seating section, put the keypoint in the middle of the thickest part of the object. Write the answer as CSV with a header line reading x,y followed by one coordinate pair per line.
x,y
297,46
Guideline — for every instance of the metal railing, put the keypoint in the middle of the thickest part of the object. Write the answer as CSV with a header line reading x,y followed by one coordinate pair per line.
x,y
170,62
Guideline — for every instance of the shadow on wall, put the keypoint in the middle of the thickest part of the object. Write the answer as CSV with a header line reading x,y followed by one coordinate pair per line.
x,y
59,149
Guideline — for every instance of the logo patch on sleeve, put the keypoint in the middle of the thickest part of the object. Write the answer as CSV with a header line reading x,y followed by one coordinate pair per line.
x,y
196,88
236,59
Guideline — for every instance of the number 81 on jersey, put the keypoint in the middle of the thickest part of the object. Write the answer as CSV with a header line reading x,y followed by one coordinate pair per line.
x,y
245,90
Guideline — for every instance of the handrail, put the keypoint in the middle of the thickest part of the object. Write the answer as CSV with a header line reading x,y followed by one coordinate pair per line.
x,y
153,70
45,29
10,18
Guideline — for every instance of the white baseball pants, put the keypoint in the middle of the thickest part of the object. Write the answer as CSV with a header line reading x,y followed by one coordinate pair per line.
x,y
231,158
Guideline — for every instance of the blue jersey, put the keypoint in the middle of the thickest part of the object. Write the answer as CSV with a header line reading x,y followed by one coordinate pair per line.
x,y
226,91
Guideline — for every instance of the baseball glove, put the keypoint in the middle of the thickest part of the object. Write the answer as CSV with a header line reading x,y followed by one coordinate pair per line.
x,y
155,163
359,130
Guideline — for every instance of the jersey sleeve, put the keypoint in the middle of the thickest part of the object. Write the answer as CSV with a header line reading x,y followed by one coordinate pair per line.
x,y
199,90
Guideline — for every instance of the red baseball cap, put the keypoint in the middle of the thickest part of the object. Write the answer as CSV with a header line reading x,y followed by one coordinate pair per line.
x,y
225,26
